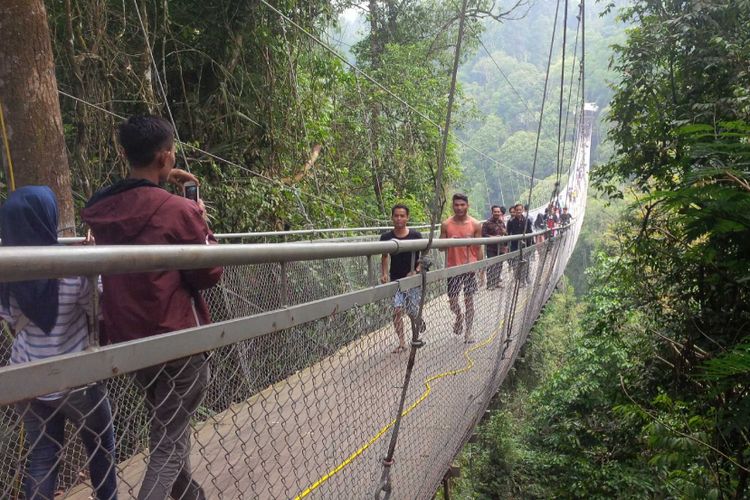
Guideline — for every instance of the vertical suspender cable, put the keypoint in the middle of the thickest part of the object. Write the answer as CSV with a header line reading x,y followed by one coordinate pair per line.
x,y
384,486
521,272
570,94
562,95
541,111
159,82
583,56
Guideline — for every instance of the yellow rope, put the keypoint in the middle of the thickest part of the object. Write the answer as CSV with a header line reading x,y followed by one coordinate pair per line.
x,y
428,389
11,177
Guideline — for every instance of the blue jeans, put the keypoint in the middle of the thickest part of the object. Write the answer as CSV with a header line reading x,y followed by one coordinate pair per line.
x,y
44,421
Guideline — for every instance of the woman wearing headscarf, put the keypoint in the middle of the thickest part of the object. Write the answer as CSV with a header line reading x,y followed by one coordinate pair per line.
x,y
49,318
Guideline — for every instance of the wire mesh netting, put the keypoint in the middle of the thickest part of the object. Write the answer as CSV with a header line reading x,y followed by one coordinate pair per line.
x,y
284,410
305,411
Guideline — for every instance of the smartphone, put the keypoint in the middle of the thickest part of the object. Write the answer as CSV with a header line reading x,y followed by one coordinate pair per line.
x,y
190,190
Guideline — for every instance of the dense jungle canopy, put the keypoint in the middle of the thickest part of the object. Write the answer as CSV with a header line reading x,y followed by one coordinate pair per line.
x,y
639,388
283,131
635,380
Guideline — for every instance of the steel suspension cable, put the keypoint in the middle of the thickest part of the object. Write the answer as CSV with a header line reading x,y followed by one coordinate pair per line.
x,y
159,82
570,91
521,270
505,77
578,116
562,95
544,101
385,480
262,177
385,89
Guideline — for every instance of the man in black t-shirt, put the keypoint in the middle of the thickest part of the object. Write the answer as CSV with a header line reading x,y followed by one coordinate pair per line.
x,y
521,225
401,265
565,217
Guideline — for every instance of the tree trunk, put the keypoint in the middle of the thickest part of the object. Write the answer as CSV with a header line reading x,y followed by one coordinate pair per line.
x,y
28,94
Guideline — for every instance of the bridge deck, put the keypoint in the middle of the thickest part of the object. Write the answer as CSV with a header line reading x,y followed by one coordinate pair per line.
x,y
330,417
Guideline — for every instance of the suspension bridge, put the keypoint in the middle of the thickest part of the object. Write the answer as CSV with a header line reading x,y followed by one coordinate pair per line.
x,y
304,388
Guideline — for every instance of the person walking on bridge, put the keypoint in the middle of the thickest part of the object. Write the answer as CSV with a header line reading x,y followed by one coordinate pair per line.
x,y
520,224
565,217
462,225
401,265
495,226
136,305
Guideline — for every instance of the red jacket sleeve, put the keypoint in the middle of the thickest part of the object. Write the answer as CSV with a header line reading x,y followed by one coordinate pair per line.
x,y
192,229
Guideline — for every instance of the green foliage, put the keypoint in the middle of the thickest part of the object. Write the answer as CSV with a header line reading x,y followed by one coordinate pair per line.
x,y
652,399
595,235
520,49
252,88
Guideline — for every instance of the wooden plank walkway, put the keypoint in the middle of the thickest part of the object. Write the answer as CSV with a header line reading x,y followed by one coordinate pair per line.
x,y
333,417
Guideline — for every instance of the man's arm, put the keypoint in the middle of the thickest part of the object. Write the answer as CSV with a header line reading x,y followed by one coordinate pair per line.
x,y
478,234
191,228
485,230
384,278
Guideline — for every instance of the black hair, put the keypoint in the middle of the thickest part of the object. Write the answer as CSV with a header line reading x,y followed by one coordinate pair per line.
x,y
493,207
142,136
460,196
503,209
399,205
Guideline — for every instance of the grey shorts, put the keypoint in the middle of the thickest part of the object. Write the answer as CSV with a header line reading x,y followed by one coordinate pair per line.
x,y
408,300
466,281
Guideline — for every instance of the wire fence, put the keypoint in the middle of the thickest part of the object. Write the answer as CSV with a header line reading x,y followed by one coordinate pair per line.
x,y
284,410
299,411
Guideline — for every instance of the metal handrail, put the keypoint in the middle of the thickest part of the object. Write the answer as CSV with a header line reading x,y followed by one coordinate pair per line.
x,y
280,234
27,380
27,263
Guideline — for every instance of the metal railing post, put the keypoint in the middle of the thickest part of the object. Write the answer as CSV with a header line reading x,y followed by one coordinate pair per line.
x,y
94,340
284,285
370,274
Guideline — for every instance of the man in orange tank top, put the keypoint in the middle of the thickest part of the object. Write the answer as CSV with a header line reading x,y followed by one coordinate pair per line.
x,y
462,225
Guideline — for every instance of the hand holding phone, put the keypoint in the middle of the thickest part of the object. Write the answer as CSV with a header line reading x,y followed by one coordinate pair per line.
x,y
190,191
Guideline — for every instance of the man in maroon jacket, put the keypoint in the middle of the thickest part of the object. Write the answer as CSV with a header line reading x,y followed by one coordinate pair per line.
x,y
136,211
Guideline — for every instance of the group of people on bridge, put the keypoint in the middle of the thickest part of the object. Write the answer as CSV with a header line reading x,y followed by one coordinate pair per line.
x,y
461,225
50,317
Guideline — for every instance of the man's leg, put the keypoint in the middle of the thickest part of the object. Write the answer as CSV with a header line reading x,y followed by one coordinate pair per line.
x,y
399,303
398,324
413,298
490,273
173,393
493,279
470,288
454,288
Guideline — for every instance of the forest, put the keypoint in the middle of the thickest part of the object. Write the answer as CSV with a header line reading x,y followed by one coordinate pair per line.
x,y
320,113
635,385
